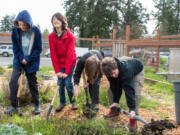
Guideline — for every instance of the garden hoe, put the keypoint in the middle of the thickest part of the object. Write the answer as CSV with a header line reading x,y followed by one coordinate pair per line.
x,y
52,103
155,126
19,91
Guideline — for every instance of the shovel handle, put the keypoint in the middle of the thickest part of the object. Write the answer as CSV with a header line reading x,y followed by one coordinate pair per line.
x,y
86,90
136,117
127,113
20,83
54,97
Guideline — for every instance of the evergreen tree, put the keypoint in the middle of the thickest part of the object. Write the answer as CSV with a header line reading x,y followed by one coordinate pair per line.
x,y
167,16
7,23
99,17
46,32
133,14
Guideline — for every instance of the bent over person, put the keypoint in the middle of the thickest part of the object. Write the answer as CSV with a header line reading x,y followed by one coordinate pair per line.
x,y
90,64
27,46
127,75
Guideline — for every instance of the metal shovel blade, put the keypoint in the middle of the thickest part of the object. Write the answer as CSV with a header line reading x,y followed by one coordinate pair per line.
x,y
49,110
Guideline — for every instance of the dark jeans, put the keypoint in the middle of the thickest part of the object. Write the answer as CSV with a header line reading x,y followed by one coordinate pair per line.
x,y
94,91
67,82
32,82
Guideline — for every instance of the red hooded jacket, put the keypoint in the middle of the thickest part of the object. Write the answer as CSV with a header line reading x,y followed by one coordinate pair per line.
x,y
62,51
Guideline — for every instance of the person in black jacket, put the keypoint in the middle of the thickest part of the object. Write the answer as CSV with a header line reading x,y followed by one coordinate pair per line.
x,y
90,64
121,75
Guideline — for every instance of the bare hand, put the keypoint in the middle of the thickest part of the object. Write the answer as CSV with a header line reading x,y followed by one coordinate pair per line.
x,y
64,75
59,75
85,85
76,90
24,62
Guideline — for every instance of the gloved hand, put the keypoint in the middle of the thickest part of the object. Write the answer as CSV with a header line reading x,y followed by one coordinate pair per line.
x,y
132,114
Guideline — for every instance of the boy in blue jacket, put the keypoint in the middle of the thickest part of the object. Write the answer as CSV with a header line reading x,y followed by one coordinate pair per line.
x,y
27,46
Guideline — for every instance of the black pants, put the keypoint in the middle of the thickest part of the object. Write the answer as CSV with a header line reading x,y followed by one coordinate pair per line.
x,y
32,82
94,91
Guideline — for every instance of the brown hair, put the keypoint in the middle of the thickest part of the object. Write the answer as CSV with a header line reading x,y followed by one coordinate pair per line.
x,y
16,24
107,65
61,18
92,68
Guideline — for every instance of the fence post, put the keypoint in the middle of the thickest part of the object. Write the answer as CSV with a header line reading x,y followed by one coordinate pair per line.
x,y
127,39
97,42
93,42
157,51
113,43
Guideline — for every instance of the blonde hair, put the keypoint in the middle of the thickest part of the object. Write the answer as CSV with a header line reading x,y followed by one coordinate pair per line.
x,y
92,68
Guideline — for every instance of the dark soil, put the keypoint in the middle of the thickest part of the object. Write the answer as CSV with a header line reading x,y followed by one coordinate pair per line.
x,y
157,127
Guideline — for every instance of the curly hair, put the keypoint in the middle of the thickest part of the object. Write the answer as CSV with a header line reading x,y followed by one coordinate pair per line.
x,y
61,18
107,65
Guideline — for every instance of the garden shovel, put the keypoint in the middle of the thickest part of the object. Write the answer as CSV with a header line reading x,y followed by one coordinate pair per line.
x,y
19,90
127,113
86,89
52,102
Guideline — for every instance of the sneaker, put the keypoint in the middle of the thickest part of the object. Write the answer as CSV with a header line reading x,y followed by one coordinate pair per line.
x,y
74,106
10,111
37,109
60,107
112,113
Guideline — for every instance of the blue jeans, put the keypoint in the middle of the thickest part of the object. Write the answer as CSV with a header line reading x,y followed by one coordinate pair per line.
x,y
67,82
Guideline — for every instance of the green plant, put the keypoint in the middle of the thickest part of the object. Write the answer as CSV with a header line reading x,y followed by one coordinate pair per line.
x,y
56,126
148,103
10,66
45,94
150,73
45,70
163,60
104,97
11,129
1,70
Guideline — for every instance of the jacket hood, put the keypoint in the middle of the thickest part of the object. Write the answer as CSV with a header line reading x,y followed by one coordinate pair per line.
x,y
24,16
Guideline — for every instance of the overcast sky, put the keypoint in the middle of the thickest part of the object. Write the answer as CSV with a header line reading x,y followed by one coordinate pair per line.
x,y
42,10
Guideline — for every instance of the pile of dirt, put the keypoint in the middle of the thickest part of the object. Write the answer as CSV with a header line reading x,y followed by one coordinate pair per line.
x,y
157,127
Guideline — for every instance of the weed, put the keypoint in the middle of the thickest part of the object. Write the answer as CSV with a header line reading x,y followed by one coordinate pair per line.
x,y
1,70
10,66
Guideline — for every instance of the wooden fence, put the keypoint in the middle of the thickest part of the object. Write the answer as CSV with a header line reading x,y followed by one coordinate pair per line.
x,y
122,47
157,42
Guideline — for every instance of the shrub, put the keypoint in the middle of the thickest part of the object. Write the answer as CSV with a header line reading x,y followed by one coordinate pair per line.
x,y
10,129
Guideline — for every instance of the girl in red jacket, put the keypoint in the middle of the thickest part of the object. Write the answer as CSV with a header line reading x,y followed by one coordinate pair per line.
x,y
63,56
